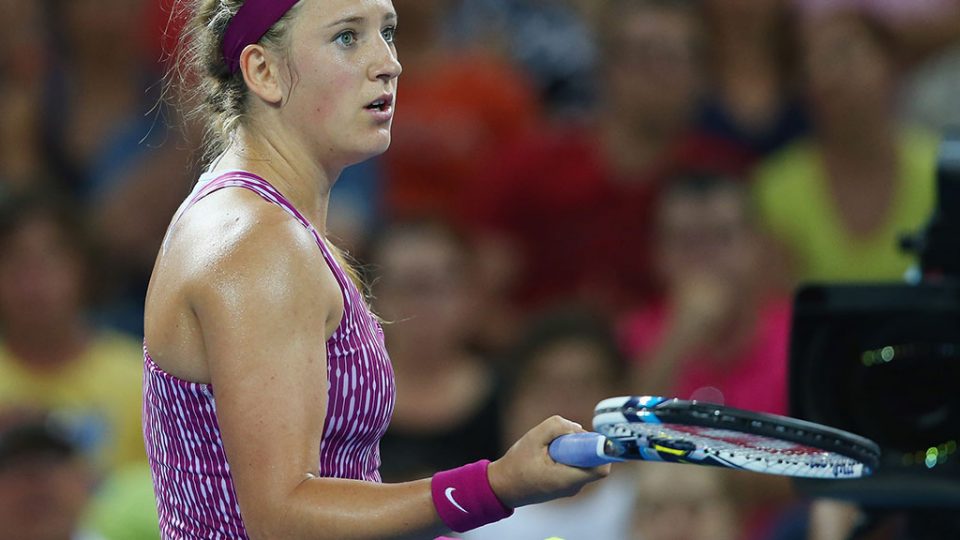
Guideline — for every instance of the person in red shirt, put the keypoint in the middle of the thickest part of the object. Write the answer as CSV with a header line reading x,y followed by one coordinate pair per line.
x,y
458,105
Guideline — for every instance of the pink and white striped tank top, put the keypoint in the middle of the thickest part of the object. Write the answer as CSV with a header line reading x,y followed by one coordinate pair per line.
x,y
191,475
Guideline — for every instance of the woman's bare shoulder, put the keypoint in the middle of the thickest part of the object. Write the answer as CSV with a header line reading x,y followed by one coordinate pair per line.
x,y
231,256
231,224
234,232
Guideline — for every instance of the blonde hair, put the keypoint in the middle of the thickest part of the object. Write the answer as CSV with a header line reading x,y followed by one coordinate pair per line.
x,y
209,92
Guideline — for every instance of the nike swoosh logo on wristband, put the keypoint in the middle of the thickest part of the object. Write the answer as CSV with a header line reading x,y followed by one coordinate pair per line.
x,y
449,494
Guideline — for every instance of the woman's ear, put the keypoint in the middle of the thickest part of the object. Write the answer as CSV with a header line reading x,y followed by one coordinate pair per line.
x,y
261,73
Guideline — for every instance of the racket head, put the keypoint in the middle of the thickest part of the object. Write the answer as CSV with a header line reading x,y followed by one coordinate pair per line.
x,y
653,428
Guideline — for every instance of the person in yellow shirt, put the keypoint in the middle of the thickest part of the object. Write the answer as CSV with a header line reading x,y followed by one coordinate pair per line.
x,y
50,357
45,486
838,202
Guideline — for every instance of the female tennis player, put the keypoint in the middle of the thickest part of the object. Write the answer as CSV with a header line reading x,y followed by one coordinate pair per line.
x,y
266,382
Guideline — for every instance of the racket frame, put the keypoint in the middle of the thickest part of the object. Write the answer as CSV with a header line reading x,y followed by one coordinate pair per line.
x,y
652,410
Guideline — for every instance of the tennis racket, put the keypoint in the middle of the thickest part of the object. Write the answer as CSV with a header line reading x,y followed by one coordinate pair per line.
x,y
673,430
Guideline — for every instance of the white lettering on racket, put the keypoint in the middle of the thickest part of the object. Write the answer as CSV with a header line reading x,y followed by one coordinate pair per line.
x,y
843,469
449,494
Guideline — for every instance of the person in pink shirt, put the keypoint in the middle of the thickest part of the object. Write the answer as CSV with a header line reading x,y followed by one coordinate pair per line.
x,y
716,334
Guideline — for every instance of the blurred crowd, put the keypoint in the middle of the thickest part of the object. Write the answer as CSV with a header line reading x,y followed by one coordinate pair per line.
x,y
584,198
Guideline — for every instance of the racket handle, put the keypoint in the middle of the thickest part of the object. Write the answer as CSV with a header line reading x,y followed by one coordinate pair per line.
x,y
583,450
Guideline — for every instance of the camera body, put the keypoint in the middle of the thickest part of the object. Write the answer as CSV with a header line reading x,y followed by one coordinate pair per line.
x,y
883,361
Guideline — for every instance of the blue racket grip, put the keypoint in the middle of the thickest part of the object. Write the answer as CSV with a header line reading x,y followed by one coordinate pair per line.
x,y
584,450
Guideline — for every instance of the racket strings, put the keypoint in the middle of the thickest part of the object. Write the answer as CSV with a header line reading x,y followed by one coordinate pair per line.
x,y
774,430
732,448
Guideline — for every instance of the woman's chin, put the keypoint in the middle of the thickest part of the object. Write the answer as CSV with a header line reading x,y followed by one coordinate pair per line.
x,y
374,147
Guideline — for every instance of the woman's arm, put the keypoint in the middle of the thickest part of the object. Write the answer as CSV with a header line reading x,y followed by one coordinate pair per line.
x,y
266,303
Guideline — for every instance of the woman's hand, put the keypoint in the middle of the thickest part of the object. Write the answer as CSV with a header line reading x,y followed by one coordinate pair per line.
x,y
527,474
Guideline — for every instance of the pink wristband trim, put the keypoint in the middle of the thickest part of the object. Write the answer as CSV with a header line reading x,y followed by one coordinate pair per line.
x,y
464,499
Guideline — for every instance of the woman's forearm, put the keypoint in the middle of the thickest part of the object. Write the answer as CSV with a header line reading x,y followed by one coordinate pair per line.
x,y
332,508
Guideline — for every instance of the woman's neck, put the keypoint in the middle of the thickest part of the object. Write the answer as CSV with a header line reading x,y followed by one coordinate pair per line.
x,y
276,157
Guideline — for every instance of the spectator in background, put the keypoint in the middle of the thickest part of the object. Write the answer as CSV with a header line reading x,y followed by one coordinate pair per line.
x,y
930,34
931,100
130,221
838,200
565,363
110,139
754,99
456,106
566,201
717,334
21,157
549,39
124,507
50,356
96,99
921,28
684,503
22,68
356,208
45,483
447,409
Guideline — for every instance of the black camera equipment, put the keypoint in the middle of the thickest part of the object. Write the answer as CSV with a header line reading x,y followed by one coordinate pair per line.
x,y
883,361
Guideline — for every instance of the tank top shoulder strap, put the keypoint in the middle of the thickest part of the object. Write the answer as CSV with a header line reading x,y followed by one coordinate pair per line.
x,y
256,184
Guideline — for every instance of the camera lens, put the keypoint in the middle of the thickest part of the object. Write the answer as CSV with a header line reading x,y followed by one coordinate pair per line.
x,y
907,417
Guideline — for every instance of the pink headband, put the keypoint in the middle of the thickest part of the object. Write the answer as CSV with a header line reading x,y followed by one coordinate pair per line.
x,y
252,21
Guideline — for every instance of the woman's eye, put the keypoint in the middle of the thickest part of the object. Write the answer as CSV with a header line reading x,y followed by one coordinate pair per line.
x,y
389,33
346,38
